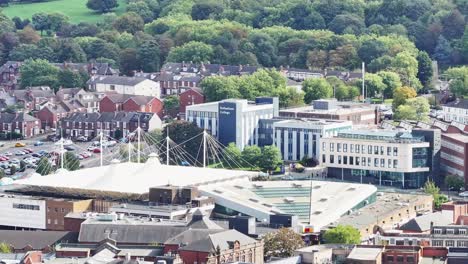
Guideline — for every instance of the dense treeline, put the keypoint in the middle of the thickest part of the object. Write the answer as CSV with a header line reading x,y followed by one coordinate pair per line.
x,y
390,36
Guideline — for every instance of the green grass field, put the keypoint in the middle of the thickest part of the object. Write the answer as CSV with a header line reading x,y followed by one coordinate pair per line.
x,y
75,9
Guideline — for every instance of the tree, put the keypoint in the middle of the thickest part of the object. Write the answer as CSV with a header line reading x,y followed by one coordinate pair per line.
x,y
70,161
56,21
40,21
203,10
102,6
454,182
2,173
453,25
401,94
218,88
342,234
341,92
416,109
142,9
171,105
197,52
282,243
270,158
128,61
129,22
290,97
316,88
28,35
180,132
148,55
38,73
391,81
431,189
443,51
458,80
251,156
232,155
70,79
425,70
5,248
374,85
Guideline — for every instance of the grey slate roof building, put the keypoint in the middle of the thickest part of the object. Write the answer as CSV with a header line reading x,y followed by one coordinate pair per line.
x,y
116,80
423,223
223,239
95,68
36,240
459,103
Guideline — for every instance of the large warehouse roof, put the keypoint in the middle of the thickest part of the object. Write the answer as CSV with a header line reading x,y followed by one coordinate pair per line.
x,y
135,177
330,200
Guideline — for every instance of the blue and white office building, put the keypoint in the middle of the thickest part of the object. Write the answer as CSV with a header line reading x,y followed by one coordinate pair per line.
x,y
296,138
233,120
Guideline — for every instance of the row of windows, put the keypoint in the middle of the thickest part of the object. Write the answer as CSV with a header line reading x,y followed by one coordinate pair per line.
x,y
452,158
26,206
450,231
400,259
451,170
362,161
452,146
449,243
360,148
55,209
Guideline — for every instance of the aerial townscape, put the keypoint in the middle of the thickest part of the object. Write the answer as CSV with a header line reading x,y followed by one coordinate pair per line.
x,y
234,131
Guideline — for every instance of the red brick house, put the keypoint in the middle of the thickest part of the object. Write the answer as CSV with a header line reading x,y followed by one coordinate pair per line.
x,y
50,114
9,75
131,103
191,97
21,123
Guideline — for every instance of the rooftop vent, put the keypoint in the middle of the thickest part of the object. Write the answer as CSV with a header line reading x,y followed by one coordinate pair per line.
x,y
289,199
317,186
218,191
351,189
256,185
239,187
253,200
296,185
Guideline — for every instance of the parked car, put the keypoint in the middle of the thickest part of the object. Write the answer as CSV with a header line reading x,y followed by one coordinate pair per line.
x,y
28,150
20,145
463,194
38,143
19,153
96,150
92,148
82,138
53,138
8,154
69,148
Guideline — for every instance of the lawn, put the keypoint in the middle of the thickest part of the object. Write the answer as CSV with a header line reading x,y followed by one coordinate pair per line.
x,y
75,9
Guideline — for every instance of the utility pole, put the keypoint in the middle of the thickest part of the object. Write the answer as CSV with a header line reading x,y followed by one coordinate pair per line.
x,y
138,132
100,147
129,150
167,146
363,81
310,201
204,148
62,152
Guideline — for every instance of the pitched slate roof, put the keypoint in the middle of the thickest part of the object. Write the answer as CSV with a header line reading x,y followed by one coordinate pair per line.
x,y
116,80
6,67
223,239
423,223
17,117
459,103
35,239
101,68
121,98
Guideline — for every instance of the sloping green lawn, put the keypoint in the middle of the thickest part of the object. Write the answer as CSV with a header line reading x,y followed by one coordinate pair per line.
x,y
75,9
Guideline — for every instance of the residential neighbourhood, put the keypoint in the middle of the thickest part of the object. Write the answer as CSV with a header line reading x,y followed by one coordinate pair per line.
x,y
233,132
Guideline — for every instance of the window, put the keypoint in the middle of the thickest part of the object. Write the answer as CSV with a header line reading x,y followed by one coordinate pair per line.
x,y
55,222
369,149
358,161
390,259
376,150
395,151
437,243
449,243
332,147
395,163
351,160
62,209
389,151
363,161
338,147
324,146
462,231
437,231
323,158
339,159
409,259
345,160
357,148
382,163
389,163
369,162
345,147
450,231
376,162
48,221
400,259
332,159
462,243
112,87
26,207
351,148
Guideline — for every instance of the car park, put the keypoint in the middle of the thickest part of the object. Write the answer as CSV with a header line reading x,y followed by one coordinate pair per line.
x,y
8,154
